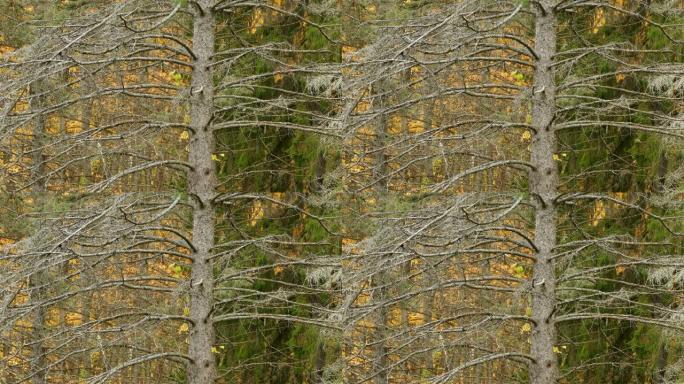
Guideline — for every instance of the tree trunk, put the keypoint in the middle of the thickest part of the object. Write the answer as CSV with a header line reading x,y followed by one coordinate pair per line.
x,y
202,183
38,280
543,188
381,189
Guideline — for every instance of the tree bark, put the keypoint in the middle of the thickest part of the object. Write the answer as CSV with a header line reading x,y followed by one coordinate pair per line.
x,y
543,188
38,280
202,184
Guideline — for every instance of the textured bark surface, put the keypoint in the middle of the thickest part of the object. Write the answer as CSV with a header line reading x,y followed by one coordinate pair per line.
x,y
380,171
39,280
543,187
202,182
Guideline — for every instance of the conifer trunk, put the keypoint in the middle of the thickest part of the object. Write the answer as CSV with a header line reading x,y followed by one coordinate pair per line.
x,y
38,280
202,184
543,188
380,358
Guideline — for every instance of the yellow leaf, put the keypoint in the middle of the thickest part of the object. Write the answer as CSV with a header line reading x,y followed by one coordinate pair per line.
x,y
257,21
183,328
184,135
518,270
599,20
599,213
526,328
176,270
526,136
186,311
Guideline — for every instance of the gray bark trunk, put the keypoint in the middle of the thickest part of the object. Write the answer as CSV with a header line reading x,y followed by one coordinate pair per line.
x,y
38,280
202,183
380,171
543,187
